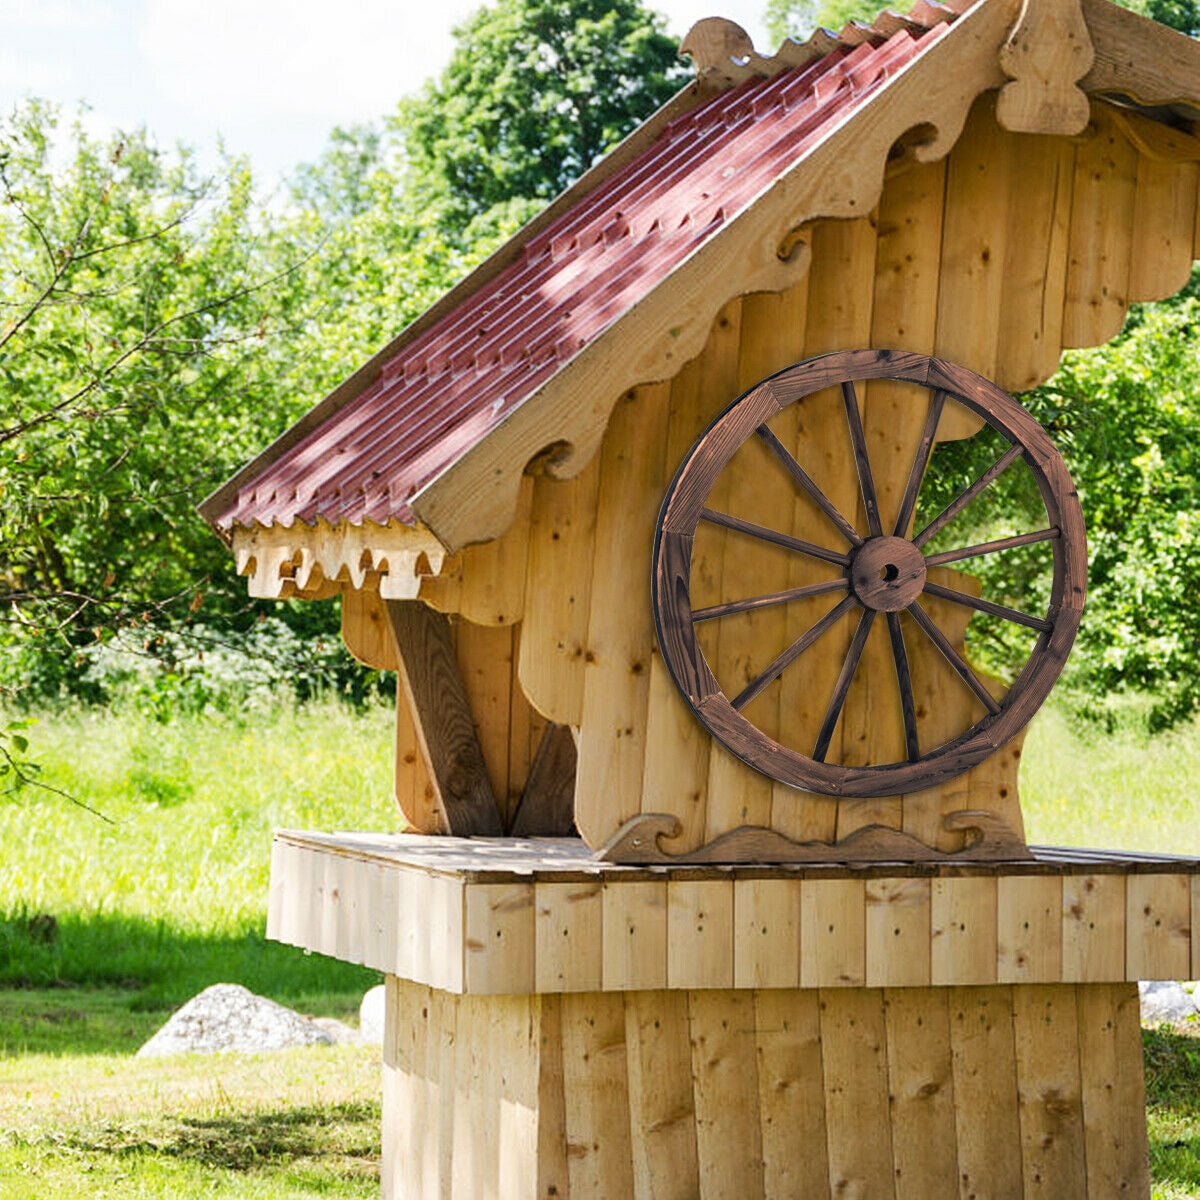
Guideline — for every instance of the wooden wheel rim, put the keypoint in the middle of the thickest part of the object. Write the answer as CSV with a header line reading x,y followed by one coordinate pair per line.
x,y
685,501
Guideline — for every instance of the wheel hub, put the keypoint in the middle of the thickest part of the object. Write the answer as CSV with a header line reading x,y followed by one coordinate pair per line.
x,y
886,573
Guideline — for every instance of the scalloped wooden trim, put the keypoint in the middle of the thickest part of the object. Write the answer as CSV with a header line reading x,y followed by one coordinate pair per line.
x,y
313,562
1046,54
990,839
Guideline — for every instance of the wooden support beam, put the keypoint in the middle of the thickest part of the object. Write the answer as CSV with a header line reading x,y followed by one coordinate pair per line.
x,y
428,673
547,807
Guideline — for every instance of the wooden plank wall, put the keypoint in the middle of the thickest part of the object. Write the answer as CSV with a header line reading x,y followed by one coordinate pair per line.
x,y
1011,248
891,1093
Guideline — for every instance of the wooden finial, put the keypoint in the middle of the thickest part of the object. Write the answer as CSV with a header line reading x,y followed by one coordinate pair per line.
x,y
1048,51
716,44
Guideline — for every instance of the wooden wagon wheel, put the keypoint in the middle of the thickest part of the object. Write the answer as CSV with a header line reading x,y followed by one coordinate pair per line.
x,y
882,572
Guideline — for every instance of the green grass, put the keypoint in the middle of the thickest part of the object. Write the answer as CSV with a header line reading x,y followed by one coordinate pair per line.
x,y
298,1123
171,896
1121,791
1173,1109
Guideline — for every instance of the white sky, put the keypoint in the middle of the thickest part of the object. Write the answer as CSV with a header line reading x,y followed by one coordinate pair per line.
x,y
271,77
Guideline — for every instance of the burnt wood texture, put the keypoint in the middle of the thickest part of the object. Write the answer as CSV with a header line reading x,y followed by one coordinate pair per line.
x,y
883,572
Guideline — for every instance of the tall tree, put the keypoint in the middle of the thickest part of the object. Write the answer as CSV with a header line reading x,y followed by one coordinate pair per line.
x,y
135,323
535,92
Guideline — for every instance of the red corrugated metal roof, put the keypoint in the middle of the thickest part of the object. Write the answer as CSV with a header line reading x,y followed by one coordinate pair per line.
x,y
447,388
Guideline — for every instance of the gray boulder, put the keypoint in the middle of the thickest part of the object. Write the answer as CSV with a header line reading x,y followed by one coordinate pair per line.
x,y
1167,1002
228,1016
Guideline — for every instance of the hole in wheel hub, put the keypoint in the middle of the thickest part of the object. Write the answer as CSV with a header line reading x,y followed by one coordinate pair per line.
x,y
887,573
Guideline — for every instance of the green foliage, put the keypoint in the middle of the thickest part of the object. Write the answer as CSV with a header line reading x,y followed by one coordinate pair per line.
x,y
138,311
1126,419
799,19
536,91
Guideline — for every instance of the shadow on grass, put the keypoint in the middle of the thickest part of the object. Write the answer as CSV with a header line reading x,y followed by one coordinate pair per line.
x,y
103,983
1173,1106
339,1139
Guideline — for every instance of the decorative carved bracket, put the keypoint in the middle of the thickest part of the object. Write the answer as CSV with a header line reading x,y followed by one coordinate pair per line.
x,y
1048,51
989,839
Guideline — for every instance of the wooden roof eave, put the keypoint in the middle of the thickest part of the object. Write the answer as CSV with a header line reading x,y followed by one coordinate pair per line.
x,y
312,562
559,427
561,424
688,97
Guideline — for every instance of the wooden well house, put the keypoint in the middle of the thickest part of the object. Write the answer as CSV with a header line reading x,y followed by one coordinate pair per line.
x,y
714,879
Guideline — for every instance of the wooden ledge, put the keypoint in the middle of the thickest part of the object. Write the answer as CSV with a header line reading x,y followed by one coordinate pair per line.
x,y
522,916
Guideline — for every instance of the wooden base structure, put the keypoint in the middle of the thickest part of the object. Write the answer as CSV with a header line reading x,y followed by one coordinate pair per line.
x,y
559,1026
928,1093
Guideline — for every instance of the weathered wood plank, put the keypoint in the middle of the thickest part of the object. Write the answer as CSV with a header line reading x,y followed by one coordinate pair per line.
x,y
1093,928
635,936
987,1121
1098,260
445,728
1046,1026
1029,338
963,931
499,938
855,1069
898,932
366,631
1158,926
595,1078
492,591
1114,1095
833,933
413,785
485,664
662,1108
562,528
620,626
724,1068
553,1173
920,1077
791,1100
1164,220
547,807
766,933
515,1038
700,933
568,921
1029,929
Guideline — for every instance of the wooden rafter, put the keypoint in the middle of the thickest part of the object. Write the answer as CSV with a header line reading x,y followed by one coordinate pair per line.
x,y
429,677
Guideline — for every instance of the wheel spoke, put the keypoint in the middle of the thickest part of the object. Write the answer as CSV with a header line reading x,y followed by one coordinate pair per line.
x,y
844,679
793,652
920,462
952,656
858,438
796,593
802,477
1020,539
904,680
938,523
987,606
770,535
